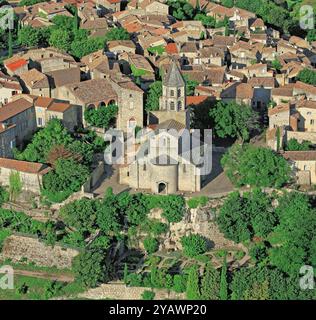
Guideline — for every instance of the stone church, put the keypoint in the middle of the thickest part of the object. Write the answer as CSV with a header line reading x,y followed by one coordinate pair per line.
x,y
163,161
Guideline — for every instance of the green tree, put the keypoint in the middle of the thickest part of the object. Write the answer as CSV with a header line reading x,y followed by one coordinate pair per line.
x,y
223,291
294,236
154,93
103,117
210,283
148,295
294,145
90,268
307,76
80,214
242,217
151,245
233,120
117,34
68,176
60,39
255,166
4,195
193,245
276,64
53,134
15,185
193,289
10,52
33,37
173,208
311,35
190,85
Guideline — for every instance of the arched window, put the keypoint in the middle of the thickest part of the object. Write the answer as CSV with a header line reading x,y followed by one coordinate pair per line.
x,y
91,106
101,104
171,105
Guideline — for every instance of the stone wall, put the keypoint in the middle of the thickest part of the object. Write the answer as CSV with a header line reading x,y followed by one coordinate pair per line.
x,y
18,248
300,136
122,292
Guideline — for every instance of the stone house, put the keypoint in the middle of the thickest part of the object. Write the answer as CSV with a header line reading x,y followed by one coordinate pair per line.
x,y
154,7
262,87
30,173
47,109
9,87
20,113
98,93
239,92
110,5
119,46
35,83
15,65
303,164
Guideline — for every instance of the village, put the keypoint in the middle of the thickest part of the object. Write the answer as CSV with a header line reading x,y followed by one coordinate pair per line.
x,y
74,70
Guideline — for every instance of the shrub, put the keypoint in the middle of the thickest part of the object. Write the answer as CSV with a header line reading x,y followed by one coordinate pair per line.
x,y
151,245
197,202
148,295
193,245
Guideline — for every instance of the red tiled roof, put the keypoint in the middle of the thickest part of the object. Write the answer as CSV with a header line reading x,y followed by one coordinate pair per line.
x,y
195,100
16,64
171,48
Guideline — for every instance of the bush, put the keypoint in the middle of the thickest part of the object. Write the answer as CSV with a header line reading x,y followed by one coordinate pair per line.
x,y
197,202
148,295
193,245
4,195
179,283
151,245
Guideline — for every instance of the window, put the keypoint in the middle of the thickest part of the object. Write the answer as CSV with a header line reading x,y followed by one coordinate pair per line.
x,y
40,121
172,105
172,93
127,173
312,122
179,93
179,104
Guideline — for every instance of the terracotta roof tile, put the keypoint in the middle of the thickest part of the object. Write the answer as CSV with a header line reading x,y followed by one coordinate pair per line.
x,y
23,166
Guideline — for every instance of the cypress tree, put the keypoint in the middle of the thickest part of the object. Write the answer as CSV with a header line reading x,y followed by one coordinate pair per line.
x,y
223,292
193,290
10,49
125,276
210,283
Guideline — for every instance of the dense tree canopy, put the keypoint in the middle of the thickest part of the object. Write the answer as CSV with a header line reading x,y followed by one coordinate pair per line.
x,y
307,76
255,166
117,34
233,120
102,117
242,217
154,93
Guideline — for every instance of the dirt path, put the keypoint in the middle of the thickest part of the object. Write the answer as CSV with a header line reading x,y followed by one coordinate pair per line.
x,y
45,275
